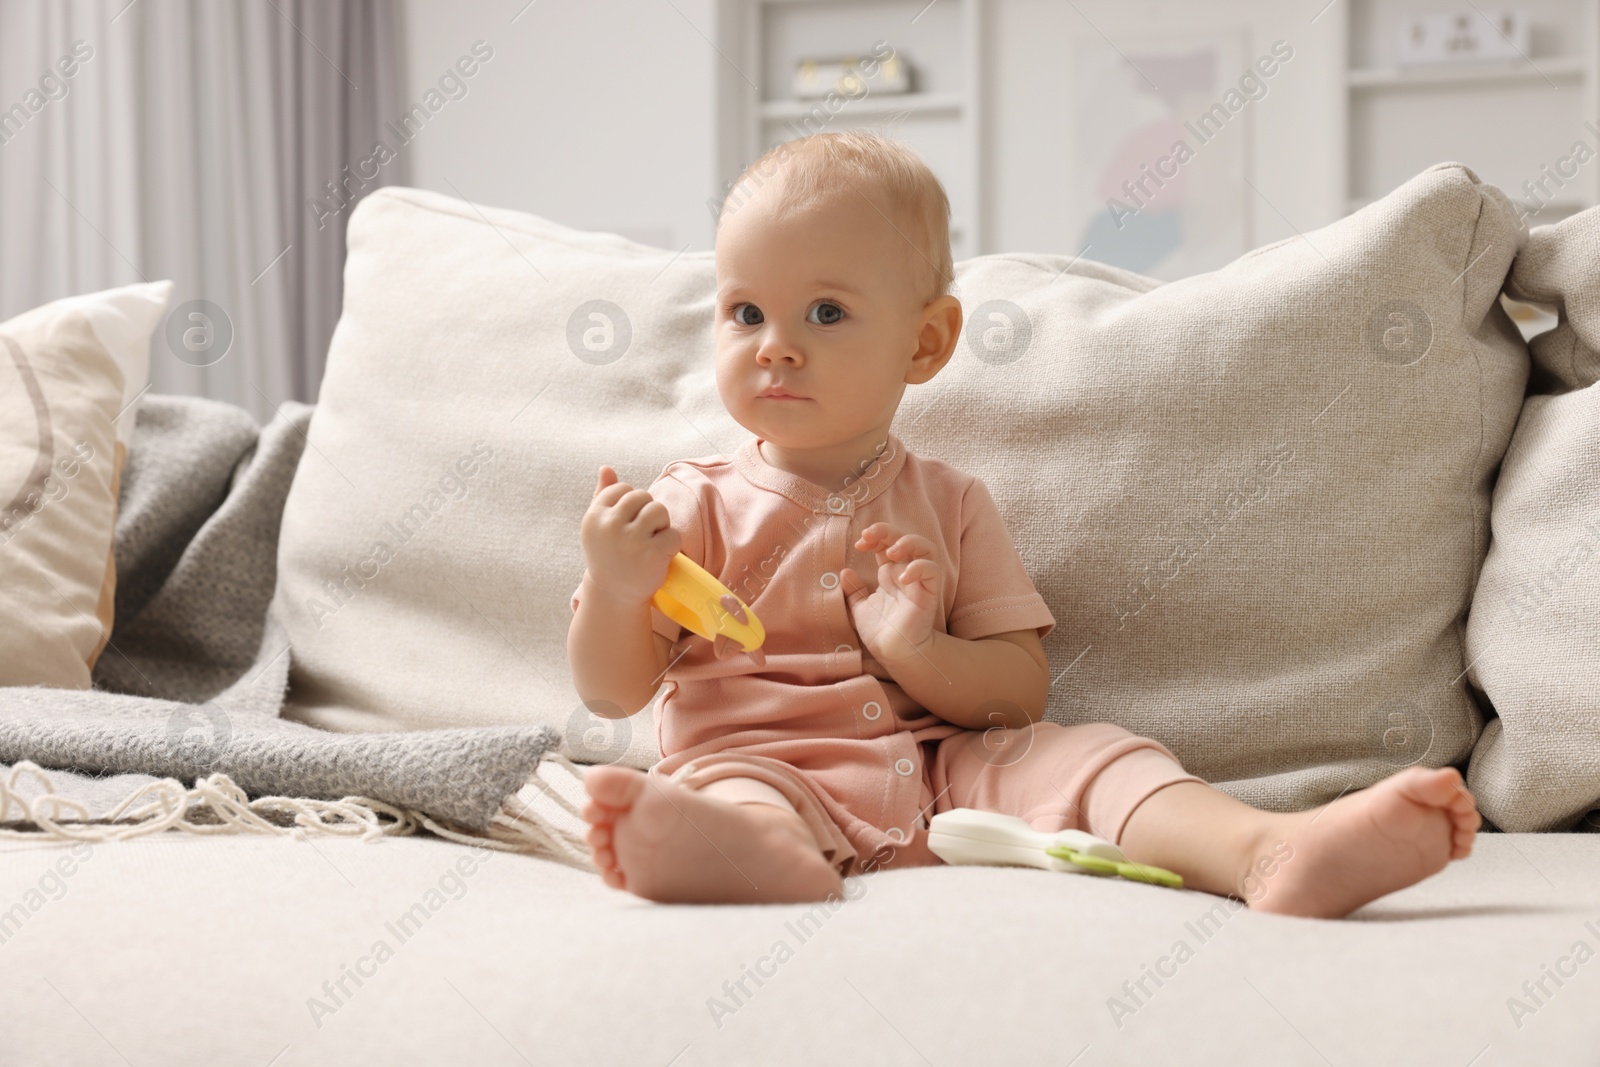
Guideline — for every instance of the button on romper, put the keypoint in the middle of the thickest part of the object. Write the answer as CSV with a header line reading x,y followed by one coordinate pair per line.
x,y
822,725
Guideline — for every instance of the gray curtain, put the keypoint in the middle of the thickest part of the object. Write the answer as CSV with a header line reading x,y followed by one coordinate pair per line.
x,y
219,144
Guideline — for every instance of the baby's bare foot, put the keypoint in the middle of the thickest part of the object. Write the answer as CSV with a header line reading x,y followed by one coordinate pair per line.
x,y
664,841
1329,861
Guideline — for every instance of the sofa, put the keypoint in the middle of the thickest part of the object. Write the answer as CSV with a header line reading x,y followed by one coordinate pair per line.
x,y
1308,519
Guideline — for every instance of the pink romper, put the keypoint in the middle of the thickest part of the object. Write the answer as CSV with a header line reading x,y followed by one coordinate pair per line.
x,y
822,726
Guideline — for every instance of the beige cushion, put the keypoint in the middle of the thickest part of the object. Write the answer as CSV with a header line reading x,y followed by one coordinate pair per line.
x,y
1255,500
438,956
1534,632
71,373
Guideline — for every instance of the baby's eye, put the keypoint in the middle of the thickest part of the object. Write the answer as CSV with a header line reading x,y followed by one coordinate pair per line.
x,y
734,310
828,313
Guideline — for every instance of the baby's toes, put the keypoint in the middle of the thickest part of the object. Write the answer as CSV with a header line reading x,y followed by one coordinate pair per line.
x,y
1432,787
594,812
604,858
1466,820
613,787
1463,831
1444,786
610,873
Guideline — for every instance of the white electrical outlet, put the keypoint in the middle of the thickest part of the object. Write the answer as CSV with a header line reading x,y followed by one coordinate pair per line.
x,y
1454,37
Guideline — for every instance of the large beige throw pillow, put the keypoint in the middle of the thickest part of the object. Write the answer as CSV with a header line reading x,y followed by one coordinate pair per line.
x,y
1534,632
71,375
1255,500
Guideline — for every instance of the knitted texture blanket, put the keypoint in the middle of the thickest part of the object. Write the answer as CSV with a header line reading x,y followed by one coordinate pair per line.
x,y
190,686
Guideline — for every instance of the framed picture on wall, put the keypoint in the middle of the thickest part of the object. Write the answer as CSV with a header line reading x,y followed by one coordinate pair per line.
x,y
1162,146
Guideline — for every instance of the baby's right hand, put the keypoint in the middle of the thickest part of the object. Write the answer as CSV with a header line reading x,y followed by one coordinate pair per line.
x,y
628,540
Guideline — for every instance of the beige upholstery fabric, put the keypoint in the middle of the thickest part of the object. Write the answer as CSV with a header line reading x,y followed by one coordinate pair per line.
x,y
1256,500
1534,632
429,544
67,371
192,951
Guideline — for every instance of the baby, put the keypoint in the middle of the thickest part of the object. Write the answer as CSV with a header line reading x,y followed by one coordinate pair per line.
x,y
902,673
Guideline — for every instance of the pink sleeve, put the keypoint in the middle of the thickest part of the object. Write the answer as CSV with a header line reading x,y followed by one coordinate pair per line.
x,y
994,594
681,504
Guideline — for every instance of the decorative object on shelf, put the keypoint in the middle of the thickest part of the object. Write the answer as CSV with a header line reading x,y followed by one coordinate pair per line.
x,y
1454,37
851,76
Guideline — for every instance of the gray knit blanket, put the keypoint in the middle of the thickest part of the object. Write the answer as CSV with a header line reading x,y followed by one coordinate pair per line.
x,y
192,681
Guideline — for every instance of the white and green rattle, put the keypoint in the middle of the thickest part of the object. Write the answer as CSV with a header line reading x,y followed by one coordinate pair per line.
x,y
970,836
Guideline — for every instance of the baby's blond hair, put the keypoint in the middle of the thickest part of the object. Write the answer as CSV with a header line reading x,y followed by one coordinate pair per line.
x,y
887,172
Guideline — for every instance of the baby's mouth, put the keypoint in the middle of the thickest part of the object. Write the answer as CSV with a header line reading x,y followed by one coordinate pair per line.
x,y
778,392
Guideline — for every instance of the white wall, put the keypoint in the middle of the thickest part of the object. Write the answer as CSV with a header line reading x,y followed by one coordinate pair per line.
x,y
602,114
596,114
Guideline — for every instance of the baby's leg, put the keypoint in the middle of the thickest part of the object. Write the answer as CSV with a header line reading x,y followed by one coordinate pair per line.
x,y
1325,862
1132,791
666,842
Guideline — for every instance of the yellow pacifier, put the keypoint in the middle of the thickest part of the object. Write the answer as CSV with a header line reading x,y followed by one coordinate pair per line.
x,y
694,599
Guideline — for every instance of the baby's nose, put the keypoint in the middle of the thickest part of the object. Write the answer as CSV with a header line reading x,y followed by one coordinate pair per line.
x,y
778,346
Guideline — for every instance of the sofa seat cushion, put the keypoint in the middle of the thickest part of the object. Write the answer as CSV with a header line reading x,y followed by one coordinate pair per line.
x,y
338,951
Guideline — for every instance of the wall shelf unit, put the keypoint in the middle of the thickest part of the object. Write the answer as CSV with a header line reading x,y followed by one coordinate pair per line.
x,y
1556,70
763,40
930,103
1513,121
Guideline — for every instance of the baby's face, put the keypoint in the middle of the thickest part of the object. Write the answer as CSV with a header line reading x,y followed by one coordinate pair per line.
x,y
823,304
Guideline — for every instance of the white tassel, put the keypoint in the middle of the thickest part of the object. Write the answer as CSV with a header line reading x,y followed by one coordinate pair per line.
x,y
517,827
167,805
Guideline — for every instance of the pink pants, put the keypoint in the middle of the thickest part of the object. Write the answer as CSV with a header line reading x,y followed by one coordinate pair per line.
x,y
1085,777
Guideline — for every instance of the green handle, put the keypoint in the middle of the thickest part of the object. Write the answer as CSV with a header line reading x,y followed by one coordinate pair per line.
x,y
1136,872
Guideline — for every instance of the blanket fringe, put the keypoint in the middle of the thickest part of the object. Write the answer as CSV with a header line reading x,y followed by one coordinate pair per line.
x,y
216,805
517,827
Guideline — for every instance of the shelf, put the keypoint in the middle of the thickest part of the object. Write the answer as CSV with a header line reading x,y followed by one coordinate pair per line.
x,y
880,104
1516,121
765,39
1555,68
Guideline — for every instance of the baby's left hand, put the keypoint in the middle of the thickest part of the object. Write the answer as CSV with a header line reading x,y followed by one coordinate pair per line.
x,y
895,620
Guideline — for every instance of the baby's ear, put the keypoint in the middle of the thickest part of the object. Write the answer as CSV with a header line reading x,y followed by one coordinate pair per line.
x,y
936,341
